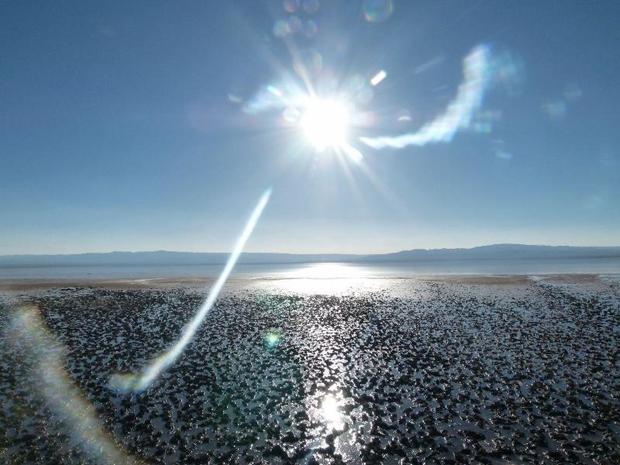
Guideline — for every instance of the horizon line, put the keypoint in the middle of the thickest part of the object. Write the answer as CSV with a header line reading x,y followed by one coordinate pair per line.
x,y
359,254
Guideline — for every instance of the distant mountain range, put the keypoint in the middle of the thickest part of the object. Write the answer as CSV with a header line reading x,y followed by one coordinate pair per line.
x,y
487,252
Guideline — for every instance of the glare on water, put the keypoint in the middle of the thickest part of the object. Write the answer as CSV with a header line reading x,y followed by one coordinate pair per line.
x,y
331,413
322,278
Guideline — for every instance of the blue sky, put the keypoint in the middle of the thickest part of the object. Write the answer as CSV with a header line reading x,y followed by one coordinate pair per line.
x,y
122,127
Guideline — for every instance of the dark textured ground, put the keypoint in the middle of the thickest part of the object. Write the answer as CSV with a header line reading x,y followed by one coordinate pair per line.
x,y
410,371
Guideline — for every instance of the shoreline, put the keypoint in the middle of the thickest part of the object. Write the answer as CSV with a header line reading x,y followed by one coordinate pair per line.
x,y
27,284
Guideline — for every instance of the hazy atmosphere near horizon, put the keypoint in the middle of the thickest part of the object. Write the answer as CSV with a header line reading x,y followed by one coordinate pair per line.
x,y
150,125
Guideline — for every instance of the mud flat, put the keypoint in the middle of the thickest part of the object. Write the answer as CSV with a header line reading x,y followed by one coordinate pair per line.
x,y
438,370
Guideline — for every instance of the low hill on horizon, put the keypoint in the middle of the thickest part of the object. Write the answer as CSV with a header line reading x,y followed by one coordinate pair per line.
x,y
490,252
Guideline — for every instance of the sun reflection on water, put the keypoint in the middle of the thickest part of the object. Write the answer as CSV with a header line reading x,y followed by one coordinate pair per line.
x,y
323,278
330,412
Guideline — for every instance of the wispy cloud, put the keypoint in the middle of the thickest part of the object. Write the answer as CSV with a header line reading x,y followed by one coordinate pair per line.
x,y
458,114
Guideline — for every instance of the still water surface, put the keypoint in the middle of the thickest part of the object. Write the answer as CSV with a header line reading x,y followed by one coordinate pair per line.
x,y
322,270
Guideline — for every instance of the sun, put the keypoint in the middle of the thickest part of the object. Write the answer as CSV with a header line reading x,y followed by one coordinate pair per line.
x,y
326,123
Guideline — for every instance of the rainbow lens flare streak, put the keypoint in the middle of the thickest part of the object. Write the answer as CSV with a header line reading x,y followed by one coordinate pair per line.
x,y
138,383
459,113
64,398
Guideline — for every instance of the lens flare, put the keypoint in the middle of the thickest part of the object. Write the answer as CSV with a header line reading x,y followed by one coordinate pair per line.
x,y
376,11
46,355
377,78
272,338
138,383
311,6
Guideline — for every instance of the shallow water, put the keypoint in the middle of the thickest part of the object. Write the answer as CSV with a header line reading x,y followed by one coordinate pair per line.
x,y
320,270
410,371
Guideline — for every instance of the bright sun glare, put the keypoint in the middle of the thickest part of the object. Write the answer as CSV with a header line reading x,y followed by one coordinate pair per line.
x,y
325,122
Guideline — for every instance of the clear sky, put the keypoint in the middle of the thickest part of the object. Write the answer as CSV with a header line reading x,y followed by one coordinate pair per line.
x,y
131,125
